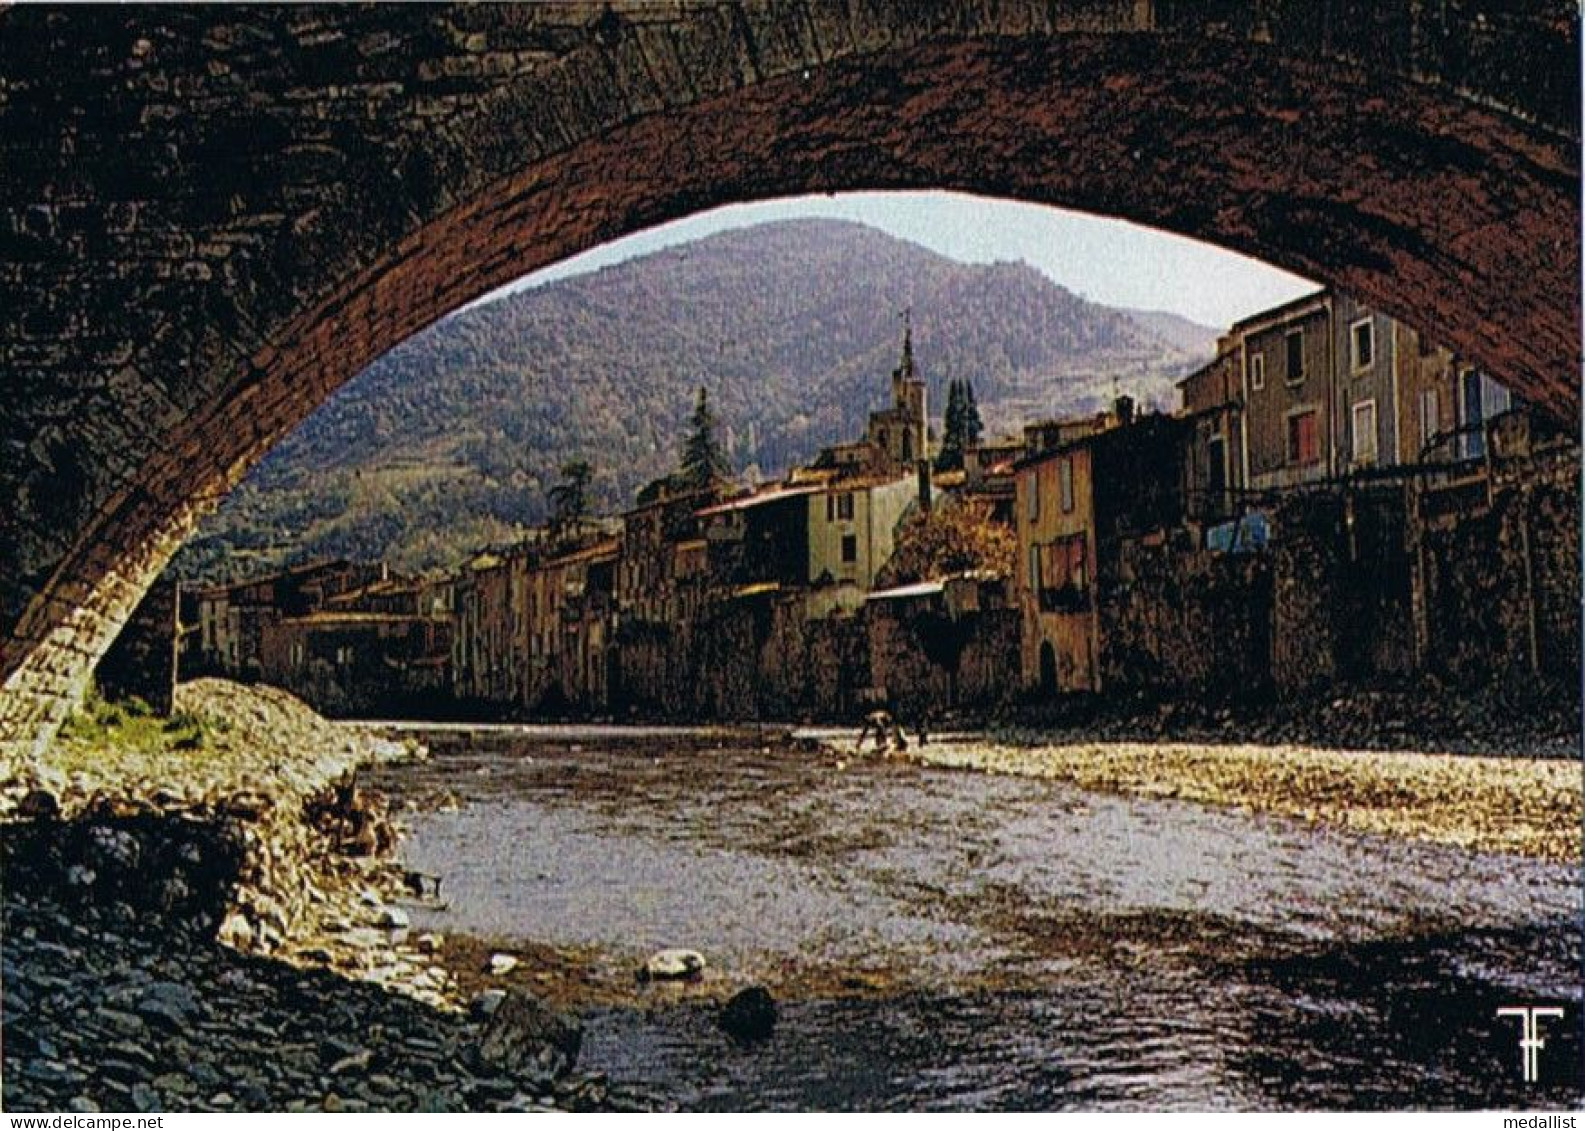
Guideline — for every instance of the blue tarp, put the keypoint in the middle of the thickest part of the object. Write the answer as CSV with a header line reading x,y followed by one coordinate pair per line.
x,y
1244,536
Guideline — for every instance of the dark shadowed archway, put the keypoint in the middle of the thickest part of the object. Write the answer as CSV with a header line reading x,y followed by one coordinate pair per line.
x,y
212,217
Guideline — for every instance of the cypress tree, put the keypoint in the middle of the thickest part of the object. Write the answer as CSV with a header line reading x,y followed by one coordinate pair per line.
x,y
973,427
953,422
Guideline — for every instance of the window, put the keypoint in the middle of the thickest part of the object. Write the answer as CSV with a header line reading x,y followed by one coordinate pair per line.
x,y
1063,573
1364,421
1295,344
1363,339
1032,485
1430,417
1257,371
1065,483
845,506
1034,568
1216,466
1303,442
1480,399
1472,441
850,548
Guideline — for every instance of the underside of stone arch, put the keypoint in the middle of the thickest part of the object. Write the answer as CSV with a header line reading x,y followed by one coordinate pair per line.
x,y
213,217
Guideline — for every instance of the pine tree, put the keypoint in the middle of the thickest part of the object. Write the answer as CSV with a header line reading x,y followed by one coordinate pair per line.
x,y
702,458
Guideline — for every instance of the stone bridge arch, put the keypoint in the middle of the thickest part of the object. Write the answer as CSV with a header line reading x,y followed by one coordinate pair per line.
x,y
211,217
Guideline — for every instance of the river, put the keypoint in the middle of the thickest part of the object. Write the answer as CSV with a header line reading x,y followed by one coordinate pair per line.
x,y
944,939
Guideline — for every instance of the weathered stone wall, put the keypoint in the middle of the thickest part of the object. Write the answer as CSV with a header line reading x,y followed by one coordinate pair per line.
x,y
725,674
142,661
1188,623
786,688
988,669
839,667
215,215
927,662
652,669
912,681
1342,598
1502,585
759,659
1306,583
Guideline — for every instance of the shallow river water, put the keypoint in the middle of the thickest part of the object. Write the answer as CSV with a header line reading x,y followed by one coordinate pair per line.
x,y
941,939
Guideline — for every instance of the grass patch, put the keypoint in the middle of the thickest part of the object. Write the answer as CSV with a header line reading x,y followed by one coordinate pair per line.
x,y
131,724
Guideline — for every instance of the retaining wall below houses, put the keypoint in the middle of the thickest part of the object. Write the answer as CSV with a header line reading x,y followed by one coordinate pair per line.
x,y
1342,594
1188,623
762,659
1501,587
988,668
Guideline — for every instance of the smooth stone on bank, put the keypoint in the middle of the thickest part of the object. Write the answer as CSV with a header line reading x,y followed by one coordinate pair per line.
x,y
673,964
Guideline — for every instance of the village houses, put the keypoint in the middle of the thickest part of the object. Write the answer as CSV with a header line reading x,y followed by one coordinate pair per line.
x,y
1118,519
347,637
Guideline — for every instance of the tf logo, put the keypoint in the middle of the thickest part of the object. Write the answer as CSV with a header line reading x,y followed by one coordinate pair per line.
x,y
1530,1042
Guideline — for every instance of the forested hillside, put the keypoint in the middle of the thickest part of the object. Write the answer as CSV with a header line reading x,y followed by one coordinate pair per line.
x,y
453,439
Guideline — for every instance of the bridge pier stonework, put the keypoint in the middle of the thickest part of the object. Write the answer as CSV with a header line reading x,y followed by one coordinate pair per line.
x,y
211,217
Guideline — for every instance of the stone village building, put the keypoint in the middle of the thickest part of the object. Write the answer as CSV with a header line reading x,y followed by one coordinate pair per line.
x,y
483,660
1076,503
566,611
826,539
231,618
349,638
534,626
1321,388
1348,483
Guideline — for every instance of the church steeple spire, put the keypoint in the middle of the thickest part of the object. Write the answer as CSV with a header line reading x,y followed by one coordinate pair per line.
x,y
906,367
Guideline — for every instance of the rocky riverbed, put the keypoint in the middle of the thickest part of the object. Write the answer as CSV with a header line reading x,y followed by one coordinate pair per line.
x,y
217,911
935,938
202,912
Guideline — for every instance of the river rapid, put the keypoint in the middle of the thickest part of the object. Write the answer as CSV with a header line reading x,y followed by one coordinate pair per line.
x,y
942,939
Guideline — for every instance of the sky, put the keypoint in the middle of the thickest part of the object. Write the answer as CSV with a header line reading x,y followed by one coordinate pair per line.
x,y
1108,261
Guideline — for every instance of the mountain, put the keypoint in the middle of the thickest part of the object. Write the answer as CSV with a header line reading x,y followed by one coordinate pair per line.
x,y
1180,332
453,439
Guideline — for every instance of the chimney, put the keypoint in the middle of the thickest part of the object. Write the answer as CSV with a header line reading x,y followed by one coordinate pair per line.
x,y
1123,409
924,485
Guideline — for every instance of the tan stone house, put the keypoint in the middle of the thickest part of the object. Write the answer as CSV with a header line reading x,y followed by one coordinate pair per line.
x,y
1076,504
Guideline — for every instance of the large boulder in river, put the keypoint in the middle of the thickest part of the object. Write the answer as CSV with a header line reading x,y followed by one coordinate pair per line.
x,y
525,1037
672,965
749,1015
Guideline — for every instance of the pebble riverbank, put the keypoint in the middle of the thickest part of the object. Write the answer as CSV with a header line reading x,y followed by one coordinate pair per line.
x,y
109,1012
202,912
1528,806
